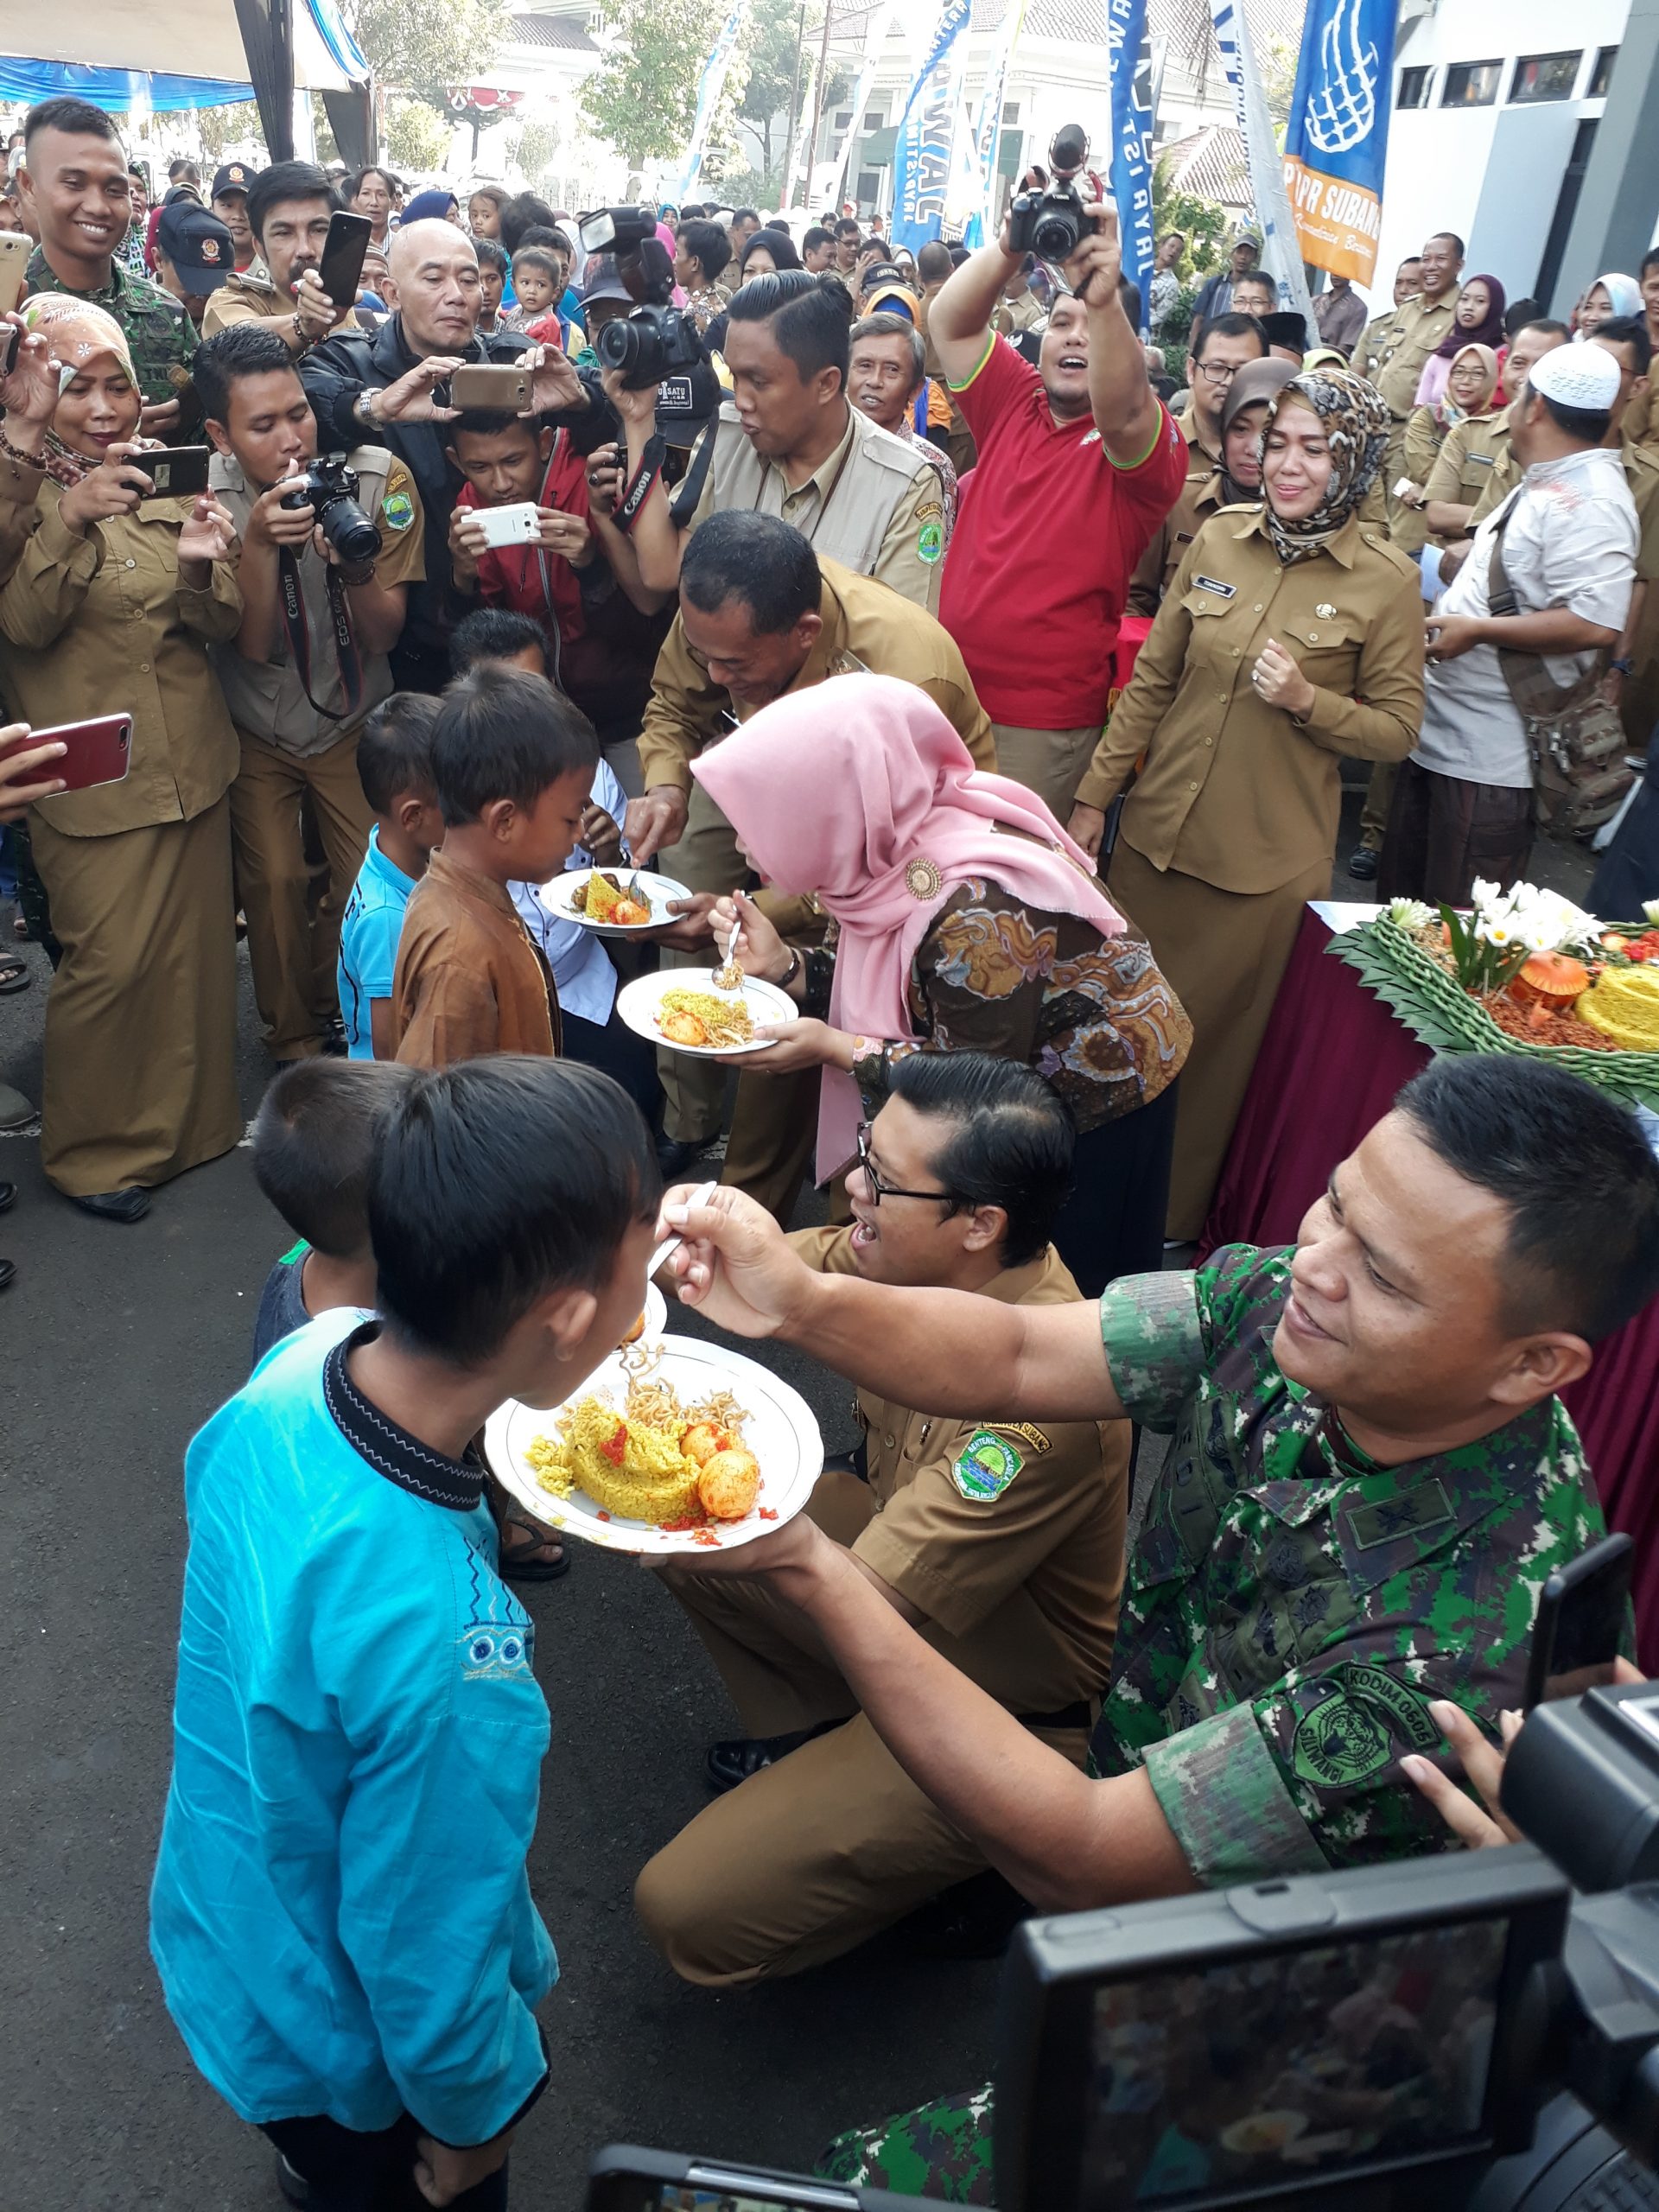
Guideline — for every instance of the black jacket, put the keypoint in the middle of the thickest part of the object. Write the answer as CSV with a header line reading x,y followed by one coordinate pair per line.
x,y
335,373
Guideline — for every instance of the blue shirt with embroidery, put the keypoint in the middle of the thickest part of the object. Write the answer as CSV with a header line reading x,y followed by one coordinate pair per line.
x,y
369,930
341,1914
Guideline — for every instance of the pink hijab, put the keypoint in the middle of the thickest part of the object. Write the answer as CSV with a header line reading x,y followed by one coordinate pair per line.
x,y
859,791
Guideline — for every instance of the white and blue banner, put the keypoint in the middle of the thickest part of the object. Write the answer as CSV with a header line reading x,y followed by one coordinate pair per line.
x,y
1281,252
875,38
710,85
1130,174
921,156
987,126
1337,143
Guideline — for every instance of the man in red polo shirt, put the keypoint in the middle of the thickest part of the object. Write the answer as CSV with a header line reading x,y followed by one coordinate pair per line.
x,y
1079,462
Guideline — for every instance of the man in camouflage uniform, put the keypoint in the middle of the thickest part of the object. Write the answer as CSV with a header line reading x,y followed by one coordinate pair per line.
x,y
75,182
1370,1475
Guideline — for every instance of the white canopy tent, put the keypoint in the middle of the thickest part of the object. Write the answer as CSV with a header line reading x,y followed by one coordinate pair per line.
x,y
185,38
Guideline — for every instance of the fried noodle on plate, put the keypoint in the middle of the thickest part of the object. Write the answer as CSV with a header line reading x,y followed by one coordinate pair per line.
x,y
659,1459
704,1017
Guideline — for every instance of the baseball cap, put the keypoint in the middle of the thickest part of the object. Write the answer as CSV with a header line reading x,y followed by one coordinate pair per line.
x,y
198,244
1577,376
605,283
685,402
235,176
895,298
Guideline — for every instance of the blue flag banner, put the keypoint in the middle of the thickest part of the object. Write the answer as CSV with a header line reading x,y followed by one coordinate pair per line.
x,y
1131,162
1337,141
711,84
921,156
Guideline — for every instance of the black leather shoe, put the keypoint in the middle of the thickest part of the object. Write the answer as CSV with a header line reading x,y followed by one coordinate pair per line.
x,y
7,1197
131,1205
675,1154
294,2186
973,1920
8,1273
737,1758
1363,867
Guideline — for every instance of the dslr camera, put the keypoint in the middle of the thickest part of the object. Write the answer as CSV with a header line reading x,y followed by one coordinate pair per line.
x,y
1050,223
329,488
655,341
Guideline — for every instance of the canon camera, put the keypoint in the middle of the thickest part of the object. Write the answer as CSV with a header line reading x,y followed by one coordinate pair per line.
x,y
1050,223
329,488
655,341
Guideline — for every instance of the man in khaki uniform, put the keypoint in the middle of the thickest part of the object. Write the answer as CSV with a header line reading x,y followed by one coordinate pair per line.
x,y
1226,344
760,614
307,665
1020,309
1003,1542
289,211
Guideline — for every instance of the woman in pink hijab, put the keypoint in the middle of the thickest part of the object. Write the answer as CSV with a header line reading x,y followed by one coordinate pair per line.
x,y
965,920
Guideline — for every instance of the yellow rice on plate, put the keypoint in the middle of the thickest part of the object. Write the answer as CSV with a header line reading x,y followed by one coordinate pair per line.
x,y
728,1020
656,1481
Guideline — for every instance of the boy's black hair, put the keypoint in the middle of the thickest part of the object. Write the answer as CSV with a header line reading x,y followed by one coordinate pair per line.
x,y
1008,1141
242,349
314,1139
493,251
503,735
490,423
809,323
498,1181
761,560
708,244
539,234
815,236
494,634
286,181
1583,1247
394,749
524,212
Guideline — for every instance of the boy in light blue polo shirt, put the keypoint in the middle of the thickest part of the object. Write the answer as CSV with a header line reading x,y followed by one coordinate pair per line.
x,y
394,766
341,1914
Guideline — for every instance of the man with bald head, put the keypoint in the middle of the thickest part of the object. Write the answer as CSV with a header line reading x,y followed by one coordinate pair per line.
x,y
391,387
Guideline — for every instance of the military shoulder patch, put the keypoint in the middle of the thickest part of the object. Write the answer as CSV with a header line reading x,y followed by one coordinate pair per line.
x,y
1339,1744
930,544
397,508
985,1468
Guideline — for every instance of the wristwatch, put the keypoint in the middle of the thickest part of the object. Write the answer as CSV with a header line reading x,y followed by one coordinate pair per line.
x,y
363,408
1623,666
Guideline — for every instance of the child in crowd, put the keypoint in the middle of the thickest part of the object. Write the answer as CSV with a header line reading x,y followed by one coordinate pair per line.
x,y
492,283
514,764
580,964
537,278
340,1915
394,766
314,1139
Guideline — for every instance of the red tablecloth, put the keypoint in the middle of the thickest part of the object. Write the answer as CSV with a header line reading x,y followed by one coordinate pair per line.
x,y
1330,1063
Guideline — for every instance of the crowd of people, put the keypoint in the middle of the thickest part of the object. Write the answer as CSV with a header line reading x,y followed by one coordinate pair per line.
x,y
991,708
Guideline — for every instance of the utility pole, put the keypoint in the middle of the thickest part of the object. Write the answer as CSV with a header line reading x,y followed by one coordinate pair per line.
x,y
794,97
818,101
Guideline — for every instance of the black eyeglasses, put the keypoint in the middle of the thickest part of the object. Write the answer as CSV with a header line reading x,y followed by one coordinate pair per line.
x,y
879,1190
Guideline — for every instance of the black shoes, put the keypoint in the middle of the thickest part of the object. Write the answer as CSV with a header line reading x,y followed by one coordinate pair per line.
x,y
131,1205
675,1154
1363,867
972,1919
737,1758
294,2185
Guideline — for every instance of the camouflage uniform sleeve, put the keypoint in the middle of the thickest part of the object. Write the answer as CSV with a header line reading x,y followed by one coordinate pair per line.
x,y
1161,1331
942,2150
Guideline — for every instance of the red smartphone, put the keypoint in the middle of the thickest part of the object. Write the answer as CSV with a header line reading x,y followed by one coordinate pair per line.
x,y
97,751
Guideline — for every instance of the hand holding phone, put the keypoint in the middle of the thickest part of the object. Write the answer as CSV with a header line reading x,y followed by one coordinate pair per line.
x,y
341,269
15,249
28,769
519,523
178,472
489,387
117,487
86,753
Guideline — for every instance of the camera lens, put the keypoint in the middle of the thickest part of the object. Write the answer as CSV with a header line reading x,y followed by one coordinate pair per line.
x,y
617,343
1056,236
349,531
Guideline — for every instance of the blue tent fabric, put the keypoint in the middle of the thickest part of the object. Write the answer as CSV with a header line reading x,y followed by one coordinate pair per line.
x,y
114,90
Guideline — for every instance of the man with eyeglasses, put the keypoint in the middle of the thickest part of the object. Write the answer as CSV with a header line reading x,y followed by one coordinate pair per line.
x,y
1002,1543
1224,348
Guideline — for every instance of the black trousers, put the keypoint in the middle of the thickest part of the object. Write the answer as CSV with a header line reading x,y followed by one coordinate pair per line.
x,y
1113,1223
1444,831
614,1047
350,2172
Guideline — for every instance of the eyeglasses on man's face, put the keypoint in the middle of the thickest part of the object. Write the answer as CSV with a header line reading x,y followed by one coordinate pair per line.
x,y
879,1190
1220,373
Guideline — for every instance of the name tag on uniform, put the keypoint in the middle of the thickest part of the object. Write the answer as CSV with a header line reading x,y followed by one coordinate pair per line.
x,y
1481,460
1214,584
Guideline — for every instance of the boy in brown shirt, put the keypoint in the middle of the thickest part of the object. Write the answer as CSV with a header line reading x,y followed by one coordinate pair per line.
x,y
513,762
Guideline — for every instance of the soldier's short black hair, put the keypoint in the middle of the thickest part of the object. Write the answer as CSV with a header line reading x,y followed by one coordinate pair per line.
x,y
1009,1141
288,181
501,734
313,1138
809,322
1630,330
761,560
1574,1169
498,1181
76,118
394,750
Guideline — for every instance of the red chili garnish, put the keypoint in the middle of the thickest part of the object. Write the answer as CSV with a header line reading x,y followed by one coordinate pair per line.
x,y
705,1536
616,1447
687,1521
768,1513
603,1516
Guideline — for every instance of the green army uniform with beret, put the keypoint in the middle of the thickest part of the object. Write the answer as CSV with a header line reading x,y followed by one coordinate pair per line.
x,y
1291,1609
297,732
1009,1536
158,332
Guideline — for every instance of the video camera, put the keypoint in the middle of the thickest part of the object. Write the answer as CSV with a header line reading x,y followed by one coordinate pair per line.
x,y
329,488
656,340
1379,2037
1050,223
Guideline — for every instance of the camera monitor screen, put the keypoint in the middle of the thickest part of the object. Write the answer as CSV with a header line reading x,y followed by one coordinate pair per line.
x,y
1270,2067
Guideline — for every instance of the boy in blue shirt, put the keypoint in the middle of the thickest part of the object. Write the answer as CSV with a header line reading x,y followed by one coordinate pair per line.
x,y
341,1914
394,766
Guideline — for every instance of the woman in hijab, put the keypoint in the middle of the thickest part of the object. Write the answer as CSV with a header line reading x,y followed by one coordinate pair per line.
x,y
112,605
1294,635
1471,391
965,919
766,251
1609,295
1243,422
1478,320
437,205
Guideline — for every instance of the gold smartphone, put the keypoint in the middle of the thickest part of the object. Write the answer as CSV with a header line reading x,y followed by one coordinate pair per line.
x,y
490,388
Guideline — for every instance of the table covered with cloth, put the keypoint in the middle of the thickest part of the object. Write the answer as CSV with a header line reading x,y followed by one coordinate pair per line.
x,y
1330,1063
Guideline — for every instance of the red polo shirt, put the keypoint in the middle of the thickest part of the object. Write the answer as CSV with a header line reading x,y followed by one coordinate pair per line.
x,y
1048,535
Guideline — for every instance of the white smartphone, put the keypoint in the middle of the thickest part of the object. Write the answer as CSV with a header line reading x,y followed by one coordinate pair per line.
x,y
1404,486
15,249
518,525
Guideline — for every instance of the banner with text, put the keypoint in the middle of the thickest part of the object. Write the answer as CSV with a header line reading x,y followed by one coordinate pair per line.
x,y
875,40
987,127
1338,138
1281,252
710,85
1131,151
921,155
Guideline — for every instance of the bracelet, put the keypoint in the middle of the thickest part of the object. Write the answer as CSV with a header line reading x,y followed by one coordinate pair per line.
x,y
1623,666
24,459
364,575
301,338
796,964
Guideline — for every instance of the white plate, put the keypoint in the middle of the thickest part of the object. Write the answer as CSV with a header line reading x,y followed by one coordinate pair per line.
x,y
655,890
780,1431
656,1312
637,1003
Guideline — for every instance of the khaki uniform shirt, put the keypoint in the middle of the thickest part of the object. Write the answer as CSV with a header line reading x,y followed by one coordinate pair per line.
x,y
20,489
1465,465
268,698
1009,1536
1394,365
1369,351
249,296
1013,317
1234,791
100,625
468,979
873,504
866,628
1641,423
1641,474
1154,572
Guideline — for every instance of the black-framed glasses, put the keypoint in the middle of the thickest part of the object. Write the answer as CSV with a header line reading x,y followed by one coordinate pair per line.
x,y
879,1190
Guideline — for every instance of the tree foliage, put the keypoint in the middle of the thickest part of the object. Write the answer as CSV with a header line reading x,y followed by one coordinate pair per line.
x,y
423,47
643,95
532,150
418,137
233,124
1204,224
773,41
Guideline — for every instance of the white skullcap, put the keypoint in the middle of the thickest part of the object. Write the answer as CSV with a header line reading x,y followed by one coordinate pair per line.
x,y
1577,376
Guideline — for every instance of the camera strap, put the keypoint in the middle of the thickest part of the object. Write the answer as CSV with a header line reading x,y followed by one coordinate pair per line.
x,y
638,491
299,636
